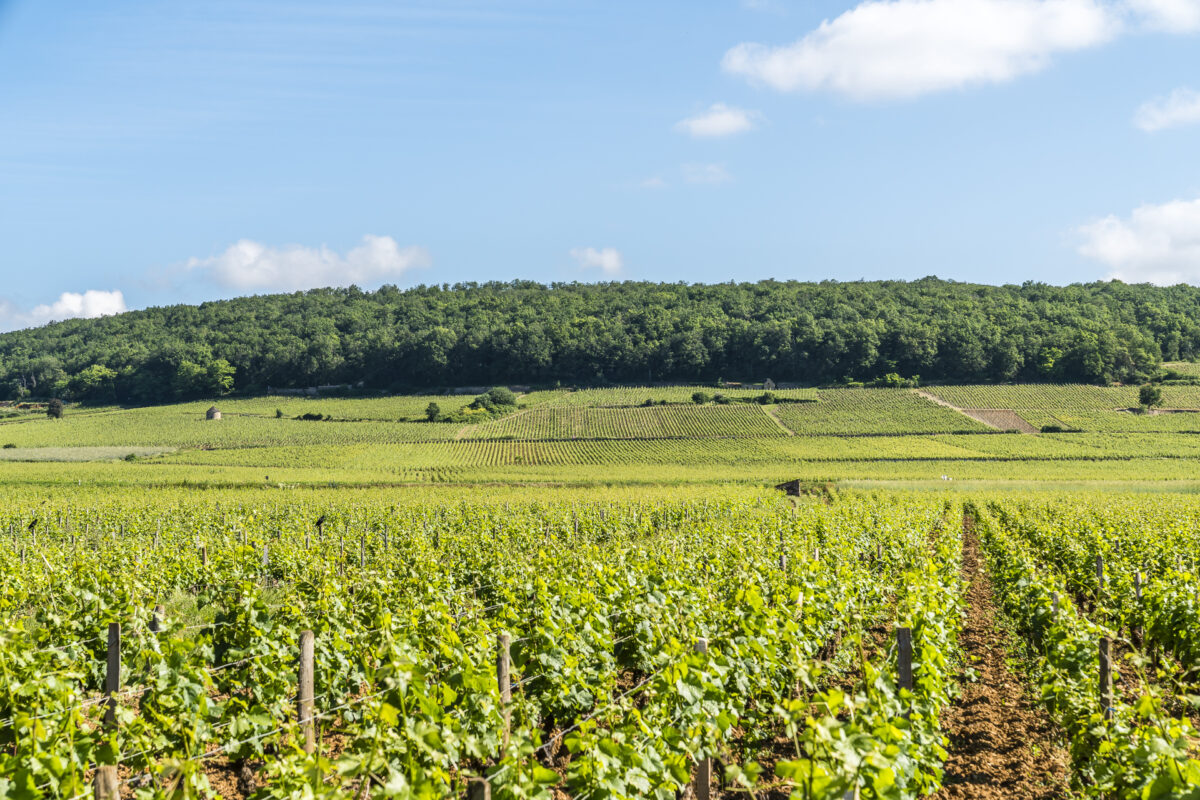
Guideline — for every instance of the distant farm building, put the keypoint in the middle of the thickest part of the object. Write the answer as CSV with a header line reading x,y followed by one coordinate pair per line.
x,y
212,413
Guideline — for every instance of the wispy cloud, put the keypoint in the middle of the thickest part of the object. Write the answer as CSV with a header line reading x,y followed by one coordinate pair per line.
x,y
1171,16
711,174
653,182
1180,107
251,265
896,49
608,259
69,305
719,120
1155,244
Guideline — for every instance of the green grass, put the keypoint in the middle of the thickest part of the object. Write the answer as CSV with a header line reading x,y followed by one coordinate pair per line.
x,y
1189,368
77,453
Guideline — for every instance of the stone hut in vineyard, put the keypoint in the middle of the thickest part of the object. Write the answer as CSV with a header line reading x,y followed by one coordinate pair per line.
x,y
212,413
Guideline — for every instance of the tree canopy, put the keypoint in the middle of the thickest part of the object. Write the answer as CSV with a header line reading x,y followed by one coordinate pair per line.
x,y
523,332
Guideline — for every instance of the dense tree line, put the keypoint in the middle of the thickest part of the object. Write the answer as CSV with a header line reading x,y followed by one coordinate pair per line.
x,y
523,332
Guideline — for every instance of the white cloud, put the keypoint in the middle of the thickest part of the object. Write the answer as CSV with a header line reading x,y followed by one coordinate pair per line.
x,y
1180,107
719,120
904,48
655,182
250,265
1156,244
1172,16
69,305
705,173
608,260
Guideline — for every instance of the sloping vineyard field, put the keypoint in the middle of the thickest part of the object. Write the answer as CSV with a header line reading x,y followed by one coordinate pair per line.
x,y
482,453
874,411
589,649
652,422
1189,368
185,426
392,408
1086,408
629,396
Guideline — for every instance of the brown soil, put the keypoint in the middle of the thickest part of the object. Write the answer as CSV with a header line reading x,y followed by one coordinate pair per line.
x,y
1004,419
1001,745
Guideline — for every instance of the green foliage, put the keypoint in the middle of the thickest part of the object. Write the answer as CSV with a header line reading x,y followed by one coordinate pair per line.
x,y
893,381
406,601
501,396
433,411
1141,747
580,333
1150,396
54,409
701,398
93,384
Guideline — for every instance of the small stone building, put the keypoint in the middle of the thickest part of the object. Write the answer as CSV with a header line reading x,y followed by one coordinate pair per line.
x,y
213,413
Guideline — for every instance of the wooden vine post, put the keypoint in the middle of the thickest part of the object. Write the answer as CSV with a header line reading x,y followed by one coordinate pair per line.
x,y
1106,695
106,783
112,675
702,780
904,652
1135,631
504,682
156,618
304,695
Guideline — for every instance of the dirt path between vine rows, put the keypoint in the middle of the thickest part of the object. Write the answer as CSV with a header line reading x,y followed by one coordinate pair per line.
x,y
1001,745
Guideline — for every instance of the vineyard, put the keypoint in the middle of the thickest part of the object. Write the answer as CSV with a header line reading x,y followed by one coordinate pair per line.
x,y
565,645
874,411
1083,408
570,647
655,422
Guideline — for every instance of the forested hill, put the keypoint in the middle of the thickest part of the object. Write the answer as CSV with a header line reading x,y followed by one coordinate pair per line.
x,y
614,332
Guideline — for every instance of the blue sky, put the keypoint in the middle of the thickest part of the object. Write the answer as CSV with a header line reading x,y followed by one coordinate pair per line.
x,y
177,152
